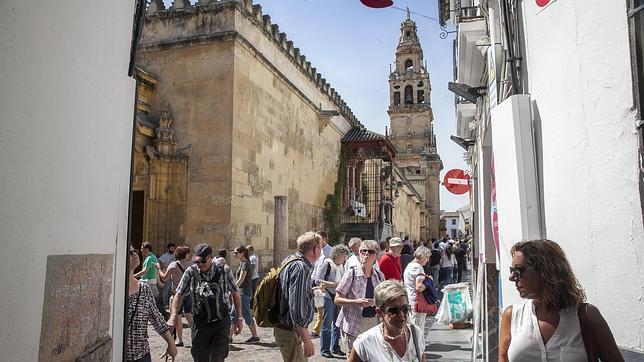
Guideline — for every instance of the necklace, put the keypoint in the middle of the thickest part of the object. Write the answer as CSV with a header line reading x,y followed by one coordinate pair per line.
x,y
384,333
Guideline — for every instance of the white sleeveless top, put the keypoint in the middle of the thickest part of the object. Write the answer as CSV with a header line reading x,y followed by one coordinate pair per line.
x,y
526,344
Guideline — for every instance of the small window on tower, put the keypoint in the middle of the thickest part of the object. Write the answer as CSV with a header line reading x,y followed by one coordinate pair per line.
x,y
420,96
409,95
396,98
408,33
409,65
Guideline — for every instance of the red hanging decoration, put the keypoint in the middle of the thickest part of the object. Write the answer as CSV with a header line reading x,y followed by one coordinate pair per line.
x,y
378,4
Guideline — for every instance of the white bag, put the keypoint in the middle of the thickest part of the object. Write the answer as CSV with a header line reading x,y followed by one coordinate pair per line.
x,y
456,305
318,297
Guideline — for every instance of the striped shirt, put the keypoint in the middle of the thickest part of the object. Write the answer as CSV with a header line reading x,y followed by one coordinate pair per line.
x,y
354,286
226,281
296,294
140,313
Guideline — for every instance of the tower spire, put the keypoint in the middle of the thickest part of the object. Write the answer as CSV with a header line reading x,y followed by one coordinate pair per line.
x,y
408,13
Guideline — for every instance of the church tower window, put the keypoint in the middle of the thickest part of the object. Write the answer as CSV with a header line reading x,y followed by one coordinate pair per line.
x,y
396,98
409,95
420,96
409,65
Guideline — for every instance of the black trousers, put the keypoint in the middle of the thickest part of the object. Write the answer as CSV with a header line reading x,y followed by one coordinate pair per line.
x,y
461,268
210,340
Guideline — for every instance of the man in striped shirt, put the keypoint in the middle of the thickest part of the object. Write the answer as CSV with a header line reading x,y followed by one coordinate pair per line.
x,y
296,300
209,339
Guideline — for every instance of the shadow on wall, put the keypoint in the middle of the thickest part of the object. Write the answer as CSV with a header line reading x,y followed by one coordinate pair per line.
x,y
538,145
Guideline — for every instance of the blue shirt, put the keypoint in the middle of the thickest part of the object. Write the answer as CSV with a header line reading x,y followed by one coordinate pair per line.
x,y
296,293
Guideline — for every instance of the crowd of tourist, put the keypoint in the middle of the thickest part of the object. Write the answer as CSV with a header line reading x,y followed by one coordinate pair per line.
x,y
370,292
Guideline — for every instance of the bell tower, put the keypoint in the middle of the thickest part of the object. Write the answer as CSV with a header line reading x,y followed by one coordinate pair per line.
x,y
410,121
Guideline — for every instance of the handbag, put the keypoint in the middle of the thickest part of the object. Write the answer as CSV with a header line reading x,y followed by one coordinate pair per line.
x,y
587,334
430,292
422,305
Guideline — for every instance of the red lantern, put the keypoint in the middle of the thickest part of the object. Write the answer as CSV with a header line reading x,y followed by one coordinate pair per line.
x,y
378,4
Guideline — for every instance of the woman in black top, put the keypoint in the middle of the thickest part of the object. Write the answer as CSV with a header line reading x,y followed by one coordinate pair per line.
x,y
245,284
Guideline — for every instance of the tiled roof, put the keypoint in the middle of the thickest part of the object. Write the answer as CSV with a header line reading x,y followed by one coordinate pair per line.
x,y
362,134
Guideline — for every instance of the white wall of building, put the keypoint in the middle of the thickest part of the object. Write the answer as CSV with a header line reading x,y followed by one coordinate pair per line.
x,y
451,225
66,108
579,78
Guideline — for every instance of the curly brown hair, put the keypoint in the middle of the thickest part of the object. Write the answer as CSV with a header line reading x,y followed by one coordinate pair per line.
x,y
181,252
561,289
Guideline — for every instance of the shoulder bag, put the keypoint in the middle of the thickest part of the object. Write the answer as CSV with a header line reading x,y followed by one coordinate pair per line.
x,y
587,334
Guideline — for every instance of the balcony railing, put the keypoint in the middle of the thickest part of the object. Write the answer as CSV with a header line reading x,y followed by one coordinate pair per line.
x,y
469,13
458,13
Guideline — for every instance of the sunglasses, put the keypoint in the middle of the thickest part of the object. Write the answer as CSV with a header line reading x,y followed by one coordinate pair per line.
x,y
367,251
202,261
518,270
392,311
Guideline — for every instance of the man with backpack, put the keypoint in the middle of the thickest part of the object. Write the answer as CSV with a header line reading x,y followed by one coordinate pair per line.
x,y
295,296
209,285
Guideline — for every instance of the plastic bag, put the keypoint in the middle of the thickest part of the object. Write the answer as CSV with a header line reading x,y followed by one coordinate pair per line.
x,y
318,297
456,305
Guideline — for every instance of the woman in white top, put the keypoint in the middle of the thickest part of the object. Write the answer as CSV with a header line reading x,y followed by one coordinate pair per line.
x,y
548,326
328,277
446,272
393,339
413,278
174,273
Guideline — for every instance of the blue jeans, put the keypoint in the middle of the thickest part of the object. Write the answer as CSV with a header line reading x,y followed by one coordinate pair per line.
x,y
167,289
447,275
435,269
330,333
246,312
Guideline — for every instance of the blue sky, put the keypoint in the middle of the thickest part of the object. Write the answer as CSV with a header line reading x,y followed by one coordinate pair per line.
x,y
352,47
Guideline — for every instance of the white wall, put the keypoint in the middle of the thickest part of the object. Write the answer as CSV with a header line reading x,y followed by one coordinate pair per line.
x,y
66,108
451,226
578,63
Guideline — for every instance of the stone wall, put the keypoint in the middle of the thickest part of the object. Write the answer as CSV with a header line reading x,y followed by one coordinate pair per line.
x,y
407,214
256,116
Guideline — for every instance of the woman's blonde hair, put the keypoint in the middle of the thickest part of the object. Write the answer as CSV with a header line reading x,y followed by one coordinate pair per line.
x,y
561,289
388,291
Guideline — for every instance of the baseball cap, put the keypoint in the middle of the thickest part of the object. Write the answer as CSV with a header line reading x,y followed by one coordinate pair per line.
x,y
395,242
201,252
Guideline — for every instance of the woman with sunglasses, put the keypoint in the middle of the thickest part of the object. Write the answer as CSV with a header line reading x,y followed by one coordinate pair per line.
x,y
142,308
355,294
393,339
554,323
245,284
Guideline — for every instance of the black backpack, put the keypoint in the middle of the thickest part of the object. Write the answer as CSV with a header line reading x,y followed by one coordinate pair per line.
x,y
208,301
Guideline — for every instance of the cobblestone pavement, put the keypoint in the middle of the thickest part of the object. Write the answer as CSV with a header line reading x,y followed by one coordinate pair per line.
x,y
264,350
